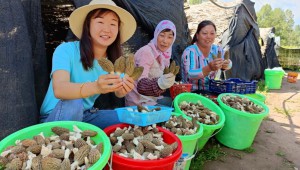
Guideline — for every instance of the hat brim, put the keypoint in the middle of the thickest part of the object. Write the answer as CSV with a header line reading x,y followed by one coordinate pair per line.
x,y
127,23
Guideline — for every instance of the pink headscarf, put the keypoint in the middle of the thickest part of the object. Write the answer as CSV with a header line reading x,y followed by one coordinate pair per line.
x,y
163,57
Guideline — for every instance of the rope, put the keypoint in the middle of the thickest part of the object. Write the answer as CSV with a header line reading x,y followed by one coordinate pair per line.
x,y
225,7
237,5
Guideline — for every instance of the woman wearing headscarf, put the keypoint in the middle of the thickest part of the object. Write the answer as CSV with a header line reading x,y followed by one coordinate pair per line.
x,y
77,78
154,57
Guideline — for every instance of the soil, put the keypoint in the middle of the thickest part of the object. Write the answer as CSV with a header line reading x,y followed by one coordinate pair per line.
x,y
277,143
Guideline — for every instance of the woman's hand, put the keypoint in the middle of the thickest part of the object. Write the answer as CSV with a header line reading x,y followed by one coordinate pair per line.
x,y
216,64
128,85
109,83
225,65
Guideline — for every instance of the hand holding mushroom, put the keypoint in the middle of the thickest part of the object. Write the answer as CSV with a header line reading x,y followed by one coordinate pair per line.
x,y
168,78
124,65
217,63
227,64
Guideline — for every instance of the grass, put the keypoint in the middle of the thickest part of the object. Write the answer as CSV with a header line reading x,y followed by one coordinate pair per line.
x,y
280,153
292,101
287,162
261,87
209,154
249,150
282,111
237,155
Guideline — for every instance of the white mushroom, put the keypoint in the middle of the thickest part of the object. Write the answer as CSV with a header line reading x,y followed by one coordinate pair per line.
x,y
29,161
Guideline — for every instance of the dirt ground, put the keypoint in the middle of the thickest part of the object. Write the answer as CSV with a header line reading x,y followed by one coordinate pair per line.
x,y
277,143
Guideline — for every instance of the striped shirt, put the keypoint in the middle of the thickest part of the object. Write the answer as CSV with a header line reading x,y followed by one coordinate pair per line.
x,y
192,63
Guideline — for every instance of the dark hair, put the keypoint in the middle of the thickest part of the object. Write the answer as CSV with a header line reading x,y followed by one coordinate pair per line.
x,y
167,30
86,51
200,26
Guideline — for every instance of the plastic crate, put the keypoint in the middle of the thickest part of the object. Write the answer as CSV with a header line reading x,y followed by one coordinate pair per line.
x,y
232,85
143,119
179,88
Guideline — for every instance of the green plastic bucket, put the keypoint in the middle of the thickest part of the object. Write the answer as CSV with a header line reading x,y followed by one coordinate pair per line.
x,y
257,96
240,127
273,78
208,130
29,132
189,143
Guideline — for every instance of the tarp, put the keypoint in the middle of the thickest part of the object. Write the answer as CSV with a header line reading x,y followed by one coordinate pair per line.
x,y
148,14
242,39
22,64
270,58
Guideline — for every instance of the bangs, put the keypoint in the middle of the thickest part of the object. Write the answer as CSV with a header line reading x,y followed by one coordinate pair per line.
x,y
167,30
100,12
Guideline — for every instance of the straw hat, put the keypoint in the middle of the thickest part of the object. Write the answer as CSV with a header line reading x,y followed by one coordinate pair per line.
x,y
127,24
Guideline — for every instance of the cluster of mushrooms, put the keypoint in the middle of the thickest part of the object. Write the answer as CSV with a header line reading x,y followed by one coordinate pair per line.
x,y
242,104
65,150
181,126
122,65
200,112
141,143
143,109
173,68
219,55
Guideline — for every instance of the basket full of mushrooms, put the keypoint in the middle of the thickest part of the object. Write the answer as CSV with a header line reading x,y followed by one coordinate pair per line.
x,y
143,115
56,145
149,147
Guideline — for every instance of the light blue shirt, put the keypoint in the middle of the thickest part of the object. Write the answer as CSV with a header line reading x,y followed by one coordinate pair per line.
x,y
67,57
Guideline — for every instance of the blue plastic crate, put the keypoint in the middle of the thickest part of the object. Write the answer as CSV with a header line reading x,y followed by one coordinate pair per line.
x,y
233,85
143,119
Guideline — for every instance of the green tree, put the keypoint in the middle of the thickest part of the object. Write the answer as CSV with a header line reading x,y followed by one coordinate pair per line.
x,y
296,35
263,16
282,21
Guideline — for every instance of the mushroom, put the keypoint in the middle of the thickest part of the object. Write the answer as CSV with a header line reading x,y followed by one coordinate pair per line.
x,y
119,66
106,65
138,71
130,64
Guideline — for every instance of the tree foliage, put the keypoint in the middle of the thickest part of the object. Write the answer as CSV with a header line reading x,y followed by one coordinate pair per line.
x,y
283,21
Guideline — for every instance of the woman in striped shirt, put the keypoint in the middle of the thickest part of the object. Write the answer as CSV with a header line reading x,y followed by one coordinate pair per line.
x,y
199,62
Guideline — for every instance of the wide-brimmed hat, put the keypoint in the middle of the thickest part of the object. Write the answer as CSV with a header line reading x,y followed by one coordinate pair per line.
x,y
127,24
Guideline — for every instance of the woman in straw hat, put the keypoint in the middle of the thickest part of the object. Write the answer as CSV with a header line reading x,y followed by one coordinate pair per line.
x,y
154,57
76,77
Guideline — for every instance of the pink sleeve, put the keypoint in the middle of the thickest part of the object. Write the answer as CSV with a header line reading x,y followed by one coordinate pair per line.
x,y
144,57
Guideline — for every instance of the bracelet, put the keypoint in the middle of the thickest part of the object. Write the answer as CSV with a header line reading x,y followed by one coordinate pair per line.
x,y
80,91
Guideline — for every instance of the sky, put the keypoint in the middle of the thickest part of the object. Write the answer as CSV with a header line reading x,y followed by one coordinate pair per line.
x,y
293,5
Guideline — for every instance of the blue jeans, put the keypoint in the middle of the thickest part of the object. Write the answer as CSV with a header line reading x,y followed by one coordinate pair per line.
x,y
72,110
165,101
